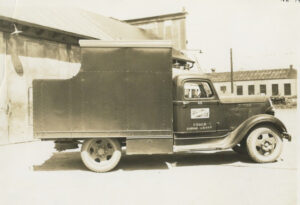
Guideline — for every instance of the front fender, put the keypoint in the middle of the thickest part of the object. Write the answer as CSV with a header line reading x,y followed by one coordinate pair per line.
x,y
244,128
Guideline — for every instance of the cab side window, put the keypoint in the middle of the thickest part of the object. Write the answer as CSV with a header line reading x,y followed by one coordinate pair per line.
x,y
196,90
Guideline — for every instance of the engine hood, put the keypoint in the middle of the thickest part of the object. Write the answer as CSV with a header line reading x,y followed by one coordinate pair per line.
x,y
244,99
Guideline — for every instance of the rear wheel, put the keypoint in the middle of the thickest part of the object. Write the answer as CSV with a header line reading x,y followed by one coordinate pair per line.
x,y
101,155
264,144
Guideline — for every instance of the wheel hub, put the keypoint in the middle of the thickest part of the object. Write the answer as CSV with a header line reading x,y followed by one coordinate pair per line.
x,y
265,144
101,151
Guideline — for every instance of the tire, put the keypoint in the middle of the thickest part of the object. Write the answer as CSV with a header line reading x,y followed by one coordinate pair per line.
x,y
264,144
101,155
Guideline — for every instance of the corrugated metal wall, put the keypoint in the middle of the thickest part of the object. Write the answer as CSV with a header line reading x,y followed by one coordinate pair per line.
x,y
173,30
23,59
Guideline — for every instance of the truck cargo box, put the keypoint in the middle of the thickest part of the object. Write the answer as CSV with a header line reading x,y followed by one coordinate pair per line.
x,y
123,89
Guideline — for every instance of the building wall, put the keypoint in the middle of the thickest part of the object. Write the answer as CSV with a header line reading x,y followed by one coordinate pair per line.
x,y
3,93
257,84
169,29
23,59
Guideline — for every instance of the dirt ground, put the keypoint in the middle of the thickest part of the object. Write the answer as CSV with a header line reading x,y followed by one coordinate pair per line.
x,y
34,173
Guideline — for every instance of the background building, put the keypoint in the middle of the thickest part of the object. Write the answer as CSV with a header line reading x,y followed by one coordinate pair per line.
x,y
168,27
273,82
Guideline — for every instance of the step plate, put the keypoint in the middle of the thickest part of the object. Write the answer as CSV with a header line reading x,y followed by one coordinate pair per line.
x,y
189,148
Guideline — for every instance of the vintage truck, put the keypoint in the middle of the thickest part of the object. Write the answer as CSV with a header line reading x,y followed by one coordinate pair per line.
x,y
126,96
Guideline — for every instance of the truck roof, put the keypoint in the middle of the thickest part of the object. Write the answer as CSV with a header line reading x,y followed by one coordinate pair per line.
x,y
180,75
136,44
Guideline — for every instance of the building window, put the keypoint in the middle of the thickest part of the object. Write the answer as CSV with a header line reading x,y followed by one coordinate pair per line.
x,y
274,89
239,90
287,89
223,89
250,89
263,89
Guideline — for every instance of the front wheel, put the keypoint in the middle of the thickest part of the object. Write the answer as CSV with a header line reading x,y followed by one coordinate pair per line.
x,y
101,155
264,144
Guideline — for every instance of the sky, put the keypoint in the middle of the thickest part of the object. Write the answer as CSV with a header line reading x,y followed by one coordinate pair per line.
x,y
263,34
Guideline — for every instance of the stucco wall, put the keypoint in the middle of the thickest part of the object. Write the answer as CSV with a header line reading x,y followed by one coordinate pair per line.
x,y
3,93
257,84
23,59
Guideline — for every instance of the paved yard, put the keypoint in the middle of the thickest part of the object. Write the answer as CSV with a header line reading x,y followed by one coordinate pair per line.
x,y
33,173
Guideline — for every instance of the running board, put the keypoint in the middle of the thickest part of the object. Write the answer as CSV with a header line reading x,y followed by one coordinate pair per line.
x,y
196,147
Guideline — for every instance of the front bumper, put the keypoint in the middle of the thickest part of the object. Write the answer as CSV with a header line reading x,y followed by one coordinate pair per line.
x,y
287,136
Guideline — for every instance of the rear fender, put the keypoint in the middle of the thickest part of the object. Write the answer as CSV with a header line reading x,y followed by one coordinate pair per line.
x,y
251,123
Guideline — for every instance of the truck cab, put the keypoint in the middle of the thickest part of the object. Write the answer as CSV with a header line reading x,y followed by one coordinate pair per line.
x,y
200,115
127,95
196,106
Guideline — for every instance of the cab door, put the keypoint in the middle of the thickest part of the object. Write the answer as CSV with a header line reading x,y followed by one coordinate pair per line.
x,y
197,112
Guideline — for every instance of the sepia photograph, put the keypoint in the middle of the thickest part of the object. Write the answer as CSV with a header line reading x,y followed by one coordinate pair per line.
x,y
141,102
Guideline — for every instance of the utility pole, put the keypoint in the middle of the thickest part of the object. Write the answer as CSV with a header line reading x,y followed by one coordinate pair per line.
x,y
231,70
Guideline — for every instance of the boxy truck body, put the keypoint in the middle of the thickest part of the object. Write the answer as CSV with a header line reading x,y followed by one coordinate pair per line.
x,y
123,90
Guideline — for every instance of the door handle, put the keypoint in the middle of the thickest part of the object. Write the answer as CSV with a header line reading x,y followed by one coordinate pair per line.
x,y
185,103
